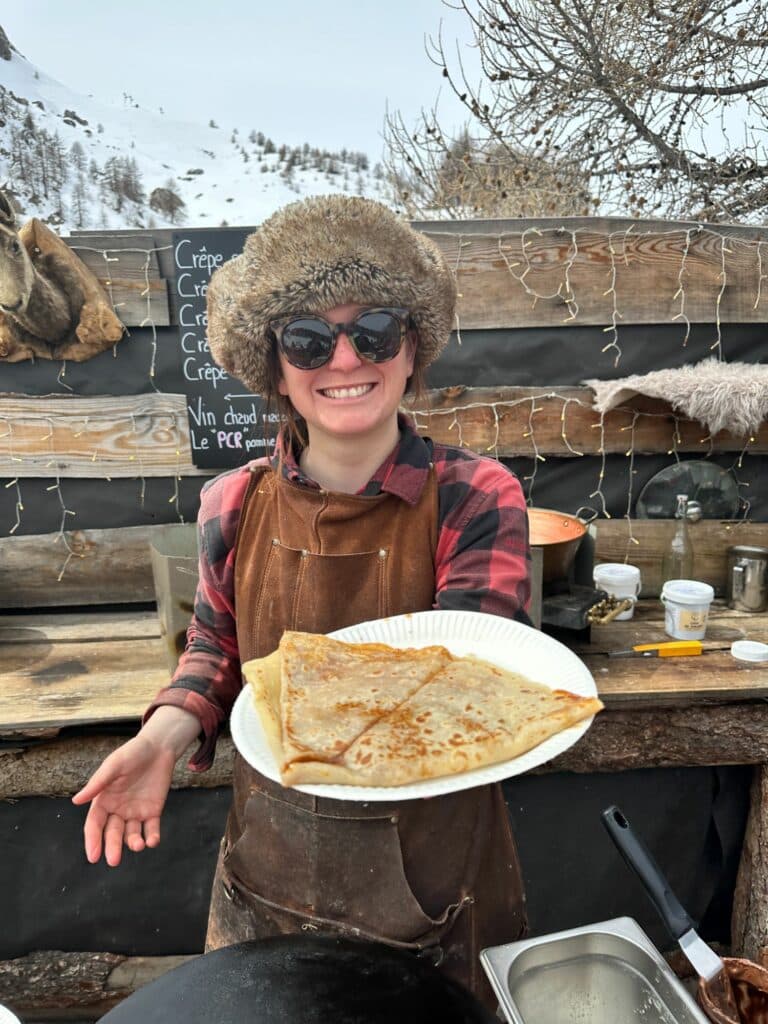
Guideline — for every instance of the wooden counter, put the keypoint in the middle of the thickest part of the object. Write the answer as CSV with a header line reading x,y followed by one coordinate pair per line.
x,y
62,670
70,678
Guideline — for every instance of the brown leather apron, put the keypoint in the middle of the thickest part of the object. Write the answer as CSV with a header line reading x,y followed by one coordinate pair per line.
x,y
437,876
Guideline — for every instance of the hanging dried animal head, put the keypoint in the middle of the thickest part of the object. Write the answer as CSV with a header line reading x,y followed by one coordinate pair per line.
x,y
17,274
51,305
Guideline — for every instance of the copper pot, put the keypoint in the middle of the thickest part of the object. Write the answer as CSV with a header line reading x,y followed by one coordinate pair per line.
x,y
559,535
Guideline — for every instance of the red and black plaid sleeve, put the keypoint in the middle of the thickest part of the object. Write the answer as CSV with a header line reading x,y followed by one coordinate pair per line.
x,y
208,677
483,557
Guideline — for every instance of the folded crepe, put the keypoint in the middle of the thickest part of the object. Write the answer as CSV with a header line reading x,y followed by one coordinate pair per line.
x,y
374,715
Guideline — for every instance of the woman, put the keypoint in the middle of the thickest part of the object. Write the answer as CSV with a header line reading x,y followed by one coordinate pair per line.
x,y
334,308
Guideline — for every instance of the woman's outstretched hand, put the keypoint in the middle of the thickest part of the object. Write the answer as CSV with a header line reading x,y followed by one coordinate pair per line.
x,y
128,791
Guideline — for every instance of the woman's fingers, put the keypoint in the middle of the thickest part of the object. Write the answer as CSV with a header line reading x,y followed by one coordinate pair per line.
x,y
152,832
108,832
114,831
134,839
93,829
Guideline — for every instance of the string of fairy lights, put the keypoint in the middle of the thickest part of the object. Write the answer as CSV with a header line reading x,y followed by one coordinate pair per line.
x,y
424,417
518,254
522,268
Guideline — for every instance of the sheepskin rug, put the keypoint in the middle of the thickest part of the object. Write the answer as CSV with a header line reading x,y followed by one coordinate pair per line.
x,y
722,396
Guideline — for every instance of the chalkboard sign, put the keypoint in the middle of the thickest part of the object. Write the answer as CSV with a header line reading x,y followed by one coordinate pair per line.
x,y
228,424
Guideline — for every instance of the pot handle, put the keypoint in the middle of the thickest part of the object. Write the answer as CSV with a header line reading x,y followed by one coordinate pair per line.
x,y
586,508
638,857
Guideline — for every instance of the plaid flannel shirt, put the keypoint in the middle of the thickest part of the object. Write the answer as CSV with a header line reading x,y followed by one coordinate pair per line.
x,y
482,561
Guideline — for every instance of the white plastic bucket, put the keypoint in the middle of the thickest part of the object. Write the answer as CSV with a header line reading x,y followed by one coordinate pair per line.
x,y
686,608
620,581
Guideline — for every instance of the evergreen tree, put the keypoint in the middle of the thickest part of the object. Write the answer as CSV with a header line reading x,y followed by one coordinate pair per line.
x,y
80,201
77,157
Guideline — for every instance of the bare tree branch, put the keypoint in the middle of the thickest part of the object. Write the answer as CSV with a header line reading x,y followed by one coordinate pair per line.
x,y
636,106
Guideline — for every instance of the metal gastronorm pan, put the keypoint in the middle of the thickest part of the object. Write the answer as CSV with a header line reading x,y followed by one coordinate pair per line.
x,y
604,973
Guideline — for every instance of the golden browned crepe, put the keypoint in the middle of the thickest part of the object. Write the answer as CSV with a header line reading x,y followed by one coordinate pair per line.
x,y
332,692
372,715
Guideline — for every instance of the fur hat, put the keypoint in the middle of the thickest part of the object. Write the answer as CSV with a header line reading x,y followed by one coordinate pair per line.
x,y
319,253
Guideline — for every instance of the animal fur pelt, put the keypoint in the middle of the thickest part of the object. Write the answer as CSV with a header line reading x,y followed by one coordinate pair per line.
x,y
93,324
722,396
318,253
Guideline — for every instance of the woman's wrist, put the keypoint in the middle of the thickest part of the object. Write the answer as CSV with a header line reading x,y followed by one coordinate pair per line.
x,y
172,728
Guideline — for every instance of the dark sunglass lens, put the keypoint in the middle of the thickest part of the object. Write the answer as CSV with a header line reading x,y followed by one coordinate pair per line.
x,y
306,343
377,335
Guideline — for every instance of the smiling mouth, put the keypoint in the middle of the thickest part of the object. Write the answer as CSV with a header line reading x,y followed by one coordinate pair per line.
x,y
355,392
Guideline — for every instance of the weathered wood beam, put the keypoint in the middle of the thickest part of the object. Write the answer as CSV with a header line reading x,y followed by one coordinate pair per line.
x,y
116,436
669,738
148,435
71,684
749,921
577,273
50,627
114,567
617,741
78,567
514,421
58,982
61,766
128,268
642,542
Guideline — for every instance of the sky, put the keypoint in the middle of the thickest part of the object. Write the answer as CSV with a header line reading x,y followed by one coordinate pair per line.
x,y
317,71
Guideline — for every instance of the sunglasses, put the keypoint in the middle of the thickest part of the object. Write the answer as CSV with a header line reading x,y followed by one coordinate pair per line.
x,y
308,341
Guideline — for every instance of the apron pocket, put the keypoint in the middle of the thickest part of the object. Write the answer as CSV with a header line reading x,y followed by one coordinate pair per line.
x,y
347,870
250,915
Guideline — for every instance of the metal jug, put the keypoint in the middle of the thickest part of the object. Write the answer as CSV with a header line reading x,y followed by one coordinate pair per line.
x,y
747,581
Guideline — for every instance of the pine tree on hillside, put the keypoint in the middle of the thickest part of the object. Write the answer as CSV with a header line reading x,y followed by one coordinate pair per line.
x,y
111,185
77,157
80,200
132,186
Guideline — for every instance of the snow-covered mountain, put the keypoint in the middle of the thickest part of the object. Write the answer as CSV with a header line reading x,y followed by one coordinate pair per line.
x,y
79,164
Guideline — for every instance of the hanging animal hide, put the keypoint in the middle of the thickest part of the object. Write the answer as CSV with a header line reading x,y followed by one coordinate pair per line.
x,y
67,314
722,396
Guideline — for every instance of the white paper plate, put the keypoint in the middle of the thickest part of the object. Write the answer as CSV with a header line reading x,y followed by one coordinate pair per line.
x,y
504,642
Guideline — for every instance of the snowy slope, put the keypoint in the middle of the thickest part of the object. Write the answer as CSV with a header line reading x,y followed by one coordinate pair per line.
x,y
221,174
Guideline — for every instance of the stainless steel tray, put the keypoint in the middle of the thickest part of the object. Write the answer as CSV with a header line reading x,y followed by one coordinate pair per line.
x,y
604,973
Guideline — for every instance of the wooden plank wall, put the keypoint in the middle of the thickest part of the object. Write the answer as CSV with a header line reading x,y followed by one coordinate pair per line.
x,y
510,273
108,567
582,270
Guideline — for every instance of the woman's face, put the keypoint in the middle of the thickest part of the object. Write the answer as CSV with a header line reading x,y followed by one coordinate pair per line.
x,y
348,396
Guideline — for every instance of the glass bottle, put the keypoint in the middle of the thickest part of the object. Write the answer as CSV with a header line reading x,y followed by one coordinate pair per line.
x,y
677,563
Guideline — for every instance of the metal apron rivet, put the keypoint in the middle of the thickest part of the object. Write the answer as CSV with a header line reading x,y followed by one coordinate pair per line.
x,y
229,893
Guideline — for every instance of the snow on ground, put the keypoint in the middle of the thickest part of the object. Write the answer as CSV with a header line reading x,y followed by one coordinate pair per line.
x,y
234,180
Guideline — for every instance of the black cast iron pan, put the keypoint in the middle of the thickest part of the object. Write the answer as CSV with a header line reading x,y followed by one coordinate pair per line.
x,y
302,980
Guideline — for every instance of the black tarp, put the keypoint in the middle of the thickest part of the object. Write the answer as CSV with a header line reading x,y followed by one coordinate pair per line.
x,y
155,903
